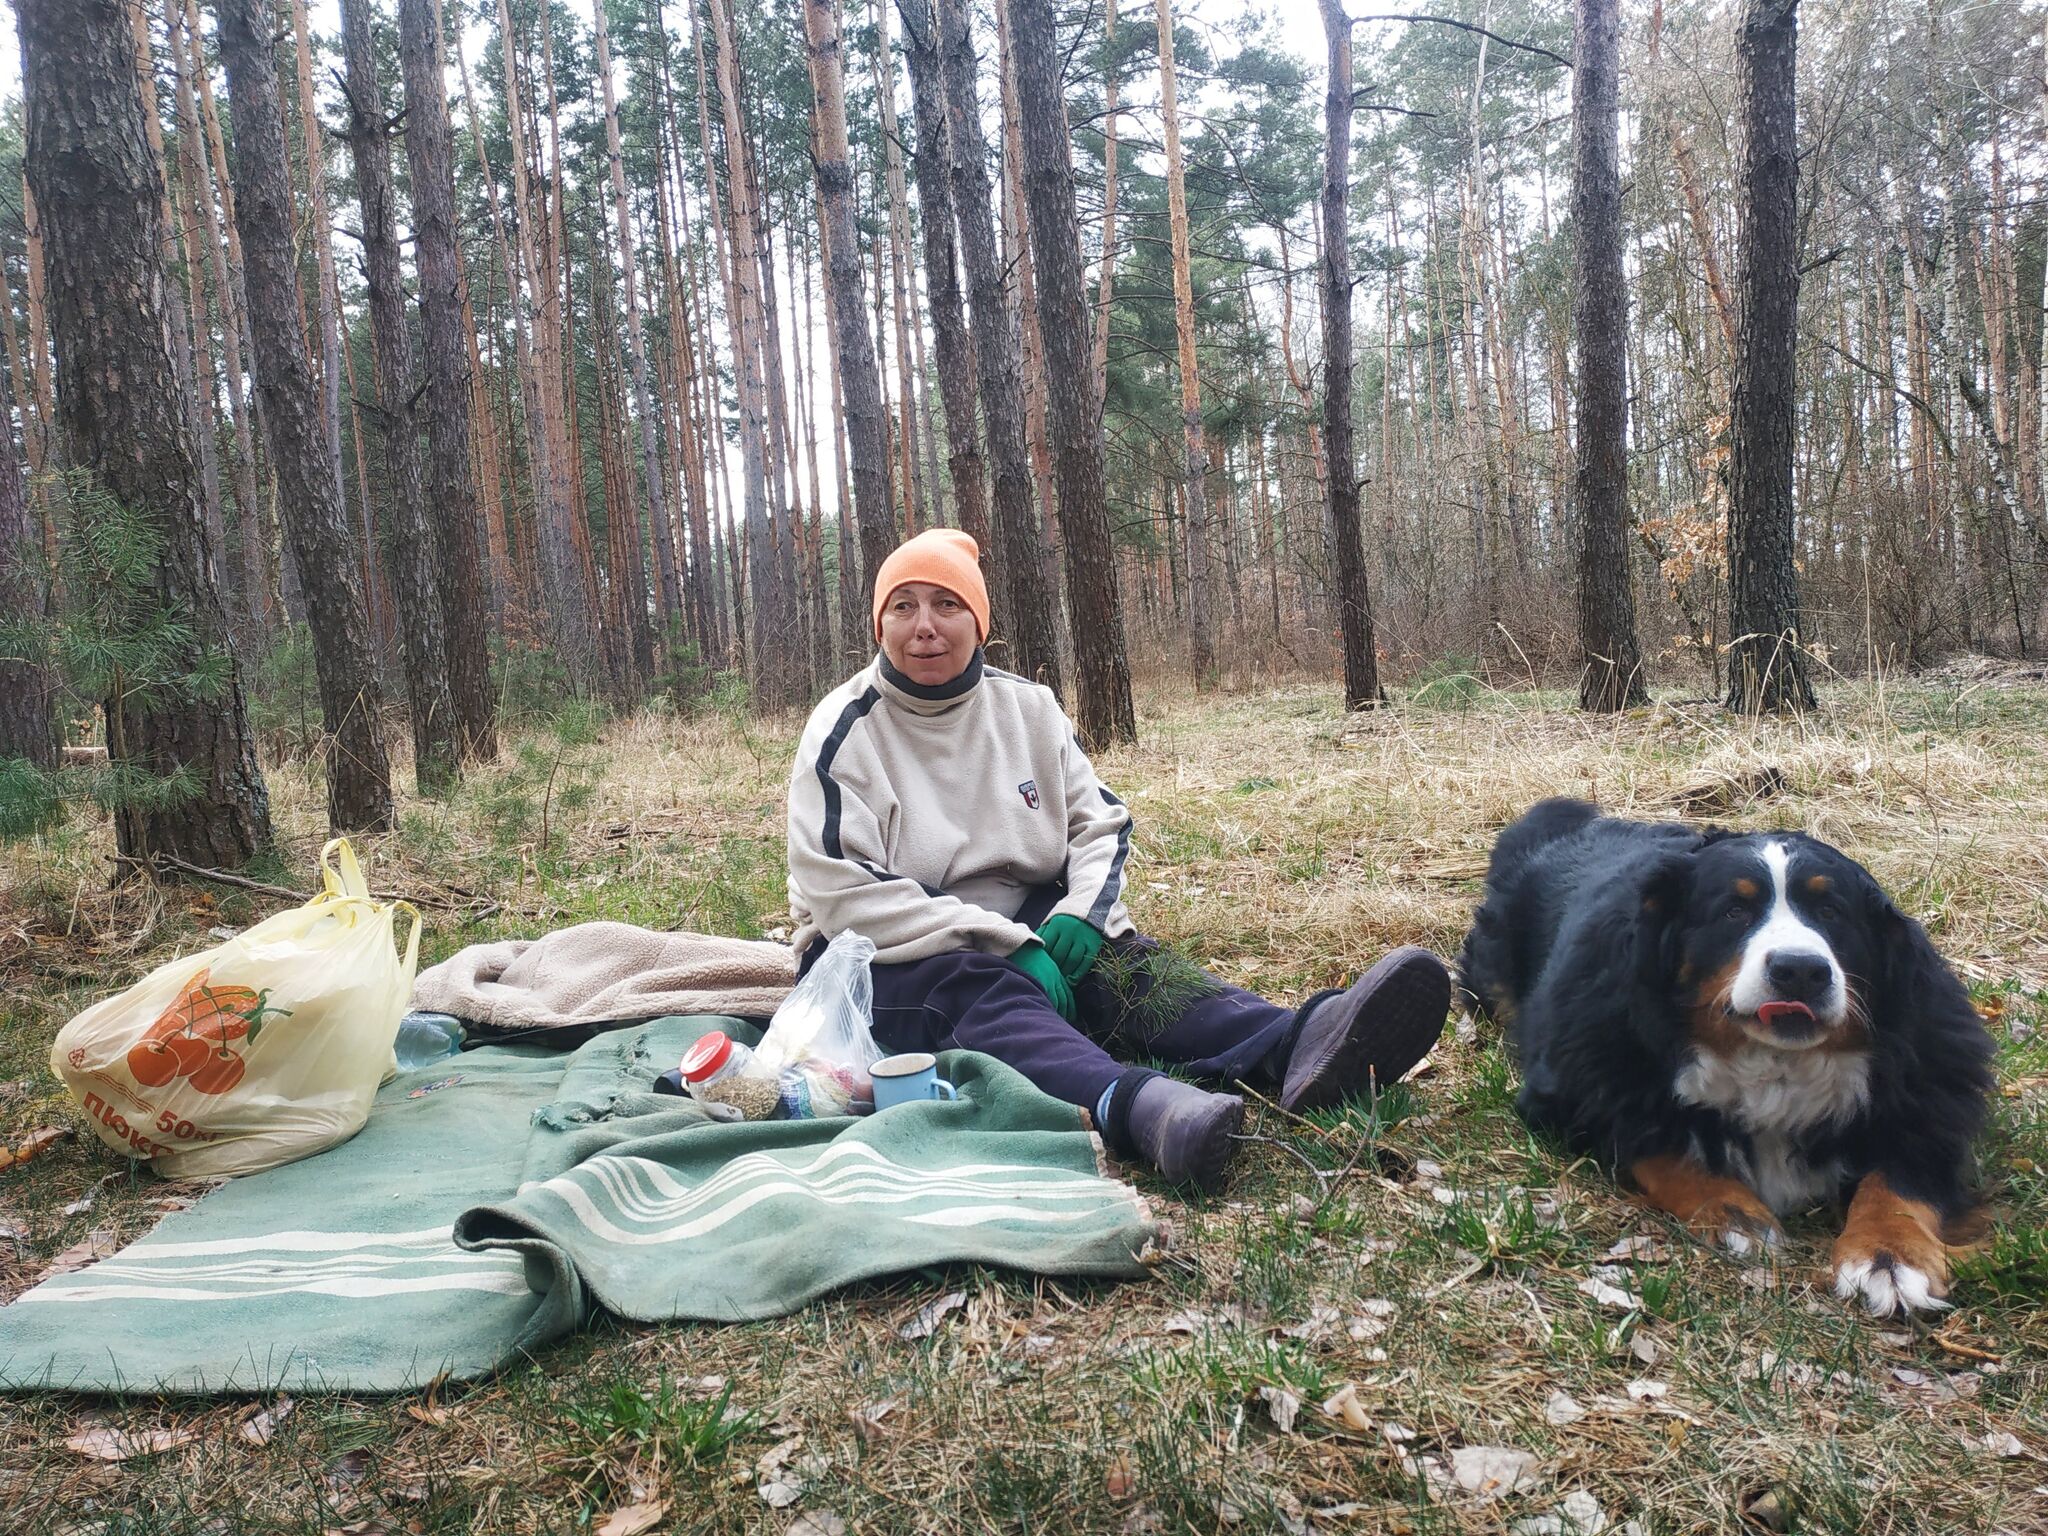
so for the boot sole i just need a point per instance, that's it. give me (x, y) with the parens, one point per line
(1207, 1176)
(1409, 993)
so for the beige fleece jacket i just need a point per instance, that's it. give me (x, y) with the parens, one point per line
(923, 817)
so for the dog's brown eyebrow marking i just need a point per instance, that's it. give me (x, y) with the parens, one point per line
(1818, 883)
(1747, 888)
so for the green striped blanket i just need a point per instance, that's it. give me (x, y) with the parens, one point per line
(499, 1199)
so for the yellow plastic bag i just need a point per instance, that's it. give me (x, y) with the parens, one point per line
(263, 1050)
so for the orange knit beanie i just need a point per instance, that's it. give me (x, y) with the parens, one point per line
(945, 557)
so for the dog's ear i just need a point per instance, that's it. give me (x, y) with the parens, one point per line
(1662, 892)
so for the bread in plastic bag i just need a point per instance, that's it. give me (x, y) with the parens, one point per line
(820, 1044)
(264, 1049)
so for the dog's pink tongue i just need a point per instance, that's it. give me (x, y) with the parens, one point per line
(1774, 1014)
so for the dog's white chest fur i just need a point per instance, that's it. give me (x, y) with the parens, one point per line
(1777, 1097)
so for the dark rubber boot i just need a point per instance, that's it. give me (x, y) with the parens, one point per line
(1371, 1034)
(1184, 1131)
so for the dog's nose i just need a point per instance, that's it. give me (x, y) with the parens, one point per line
(1799, 975)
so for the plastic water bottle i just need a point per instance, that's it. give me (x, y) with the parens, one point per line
(426, 1037)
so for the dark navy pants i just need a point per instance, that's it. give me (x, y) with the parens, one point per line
(1137, 1001)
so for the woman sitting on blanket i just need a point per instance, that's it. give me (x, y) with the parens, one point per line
(944, 809)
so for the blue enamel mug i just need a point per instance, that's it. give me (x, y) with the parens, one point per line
(908, 1079)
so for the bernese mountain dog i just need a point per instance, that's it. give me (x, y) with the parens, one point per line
(1747, 1026)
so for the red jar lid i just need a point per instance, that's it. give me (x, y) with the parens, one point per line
(706, 1056)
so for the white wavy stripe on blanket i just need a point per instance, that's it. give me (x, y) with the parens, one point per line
(354, 1268)
(624, 1184)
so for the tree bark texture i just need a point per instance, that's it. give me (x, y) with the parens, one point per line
(1034, 636)
(324, 545)
(415, 559)
(954, 347)
(27, 726)
(1766, 659)
(1201, 598)
(1611, 677)
(464, 574)
(100, 198)
(1112, 79)
(323, 238)
(1101, 663)
(636, 343)
(860, 384)
(1333, 273)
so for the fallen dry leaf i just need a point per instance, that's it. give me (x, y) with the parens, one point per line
(1643, 1347)
(632, 1519)
(1120, 1481)
(102, 1442)
(1647, 1391)
(1343, 1406)
(1282, 1407)
(1638, 1249)
(33, 1145)
(97, 1244)
(867, 1419)
(925, 1321)
(818, 1522)
(1563, 1408)
(778, 1486)
(430, 1413)
(1610, 1295)
(1488, 1472)
(262, 1424)
(1320, 1321)
(2000, 1443)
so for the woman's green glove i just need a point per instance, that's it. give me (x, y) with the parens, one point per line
(1073, 943)
(1034, 962)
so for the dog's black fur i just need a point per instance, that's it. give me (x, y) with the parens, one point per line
(1605, 946)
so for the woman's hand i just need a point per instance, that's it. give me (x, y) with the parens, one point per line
(1073, 943)
(1034, 961)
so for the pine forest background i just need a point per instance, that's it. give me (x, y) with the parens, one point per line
(669, 418)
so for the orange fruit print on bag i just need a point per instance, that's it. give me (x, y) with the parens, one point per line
(191, 1038)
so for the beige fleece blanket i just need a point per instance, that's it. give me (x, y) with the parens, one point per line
(596, 972)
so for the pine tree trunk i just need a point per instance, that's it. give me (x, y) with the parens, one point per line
(1101, 663)
(28, 728)
(466, 575)
(563, 591)
(919, 500)
(200, 212)
(1201, 598)
(1034, 639)
(1612, 676)
(1106, 288)
(950, 340)
(643, 401)
(860, 383)
(1354, 600)
(323, 241)
(769, 626)
(176, 307)
(324, 545)
(1766, 661)
(415, 560)
(99, 197)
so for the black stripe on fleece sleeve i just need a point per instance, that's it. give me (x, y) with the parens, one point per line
(1113, 883)
(853, 713)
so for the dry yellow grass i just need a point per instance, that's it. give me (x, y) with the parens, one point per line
(1285, 845)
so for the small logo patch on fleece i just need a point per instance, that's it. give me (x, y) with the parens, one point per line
(1029, 790)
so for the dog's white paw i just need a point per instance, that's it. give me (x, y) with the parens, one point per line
(1744, 1241)
(1887, 1286)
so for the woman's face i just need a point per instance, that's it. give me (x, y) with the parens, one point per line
(928, 634)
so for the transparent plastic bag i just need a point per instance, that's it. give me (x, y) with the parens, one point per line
(263, 1049)
(820, 1044)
